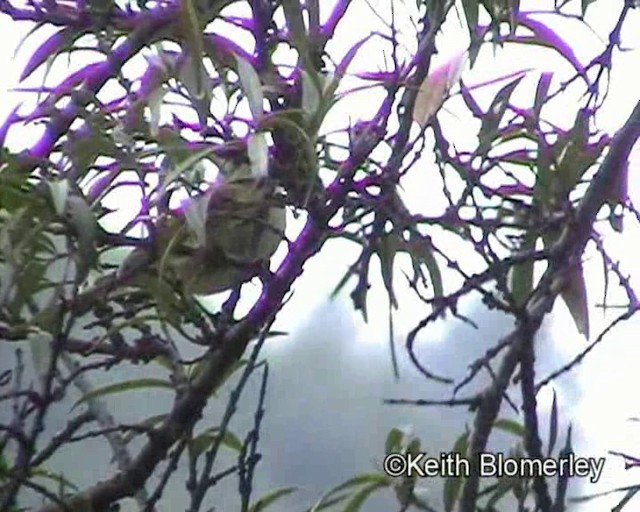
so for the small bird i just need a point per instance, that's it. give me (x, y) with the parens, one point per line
(242, 228)
(217, 242)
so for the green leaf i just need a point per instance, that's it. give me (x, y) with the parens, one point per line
(85, 226)
(58, 478)
(521, 274)
(337, 495)
(393, 443)
(311, 94)
(362, 495)
(120, 387)
(573, 155)
(387, 249)
(147, 423)
(30, 281)
(574, 295)
(510, 426)
(184, 158)
(251, 86)
(202, 442)
(542, 92)
(197, 83)
(421, 252)
(59, 191)
(453, 483)
(258, 152)
(271, 497)
(85, 146)
(493, 117)
(192, 30)
(297, 30)
(471, 12)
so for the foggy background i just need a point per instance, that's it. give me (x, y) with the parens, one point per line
(325, 421)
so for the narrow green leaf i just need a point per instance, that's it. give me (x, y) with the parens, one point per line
(59, 191)
(271, 497)
(297, 30)
(386, 250)
(344, 491)
(193, 41)
(148, 423)
(521, 274)
(119, 387)
(362, 495)
(258, 152)
(251, 86)
(202, 442)
(493, 117)
(542, 92)
(85, 227)
(453, 483)
(311, 94)
(574, 295)
(510, 426)
(58, 478)
(471, 12)
(393, 443)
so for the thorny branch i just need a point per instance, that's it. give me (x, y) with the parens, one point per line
(570, 245)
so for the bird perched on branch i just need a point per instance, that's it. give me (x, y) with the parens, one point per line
(214, 243)
(217, 241)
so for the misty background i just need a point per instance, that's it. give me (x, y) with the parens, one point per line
(324, 419)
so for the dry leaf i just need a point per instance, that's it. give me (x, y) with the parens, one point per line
(435, 88)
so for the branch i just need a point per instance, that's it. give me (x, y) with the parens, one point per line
(227, 347)
(147, 33)
(570, 245)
